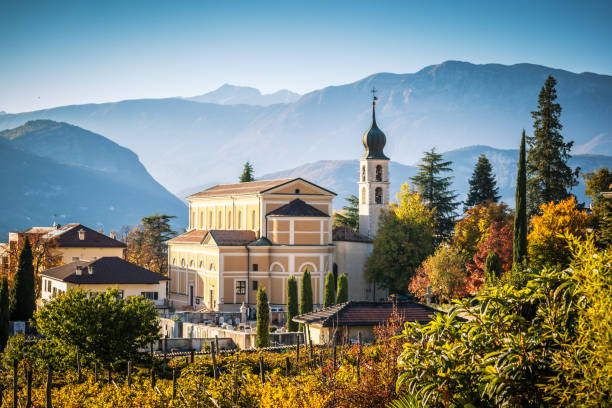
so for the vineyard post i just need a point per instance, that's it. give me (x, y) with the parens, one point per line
(165, 353)
(287, 367)
(311, 351)
(321, 362)
(359, 358)
(96, 371)
(234, 383)
(29, 390)
(214, 359)
(217, 343)
(153, 377)
(78, 363)
(297, 350)
(15, 374)
(192, 356)
(129, 373)
(335, 351)
(110, 374)
(261, 370)
(186, 360)
(174, 382)
(49, 386)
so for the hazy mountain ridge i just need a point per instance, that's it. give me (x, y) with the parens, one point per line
(341, 176)
(245, 95)
(450, 105)
(58, 172)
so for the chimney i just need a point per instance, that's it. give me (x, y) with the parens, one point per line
(79, 270)
(90, 269)
(113, 235)
(82, 234)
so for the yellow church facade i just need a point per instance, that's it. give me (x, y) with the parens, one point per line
(249, 235)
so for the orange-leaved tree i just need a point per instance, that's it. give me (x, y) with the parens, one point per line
(498, 240)
(546, 243)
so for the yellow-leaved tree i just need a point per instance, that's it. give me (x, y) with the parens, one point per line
(547, 245)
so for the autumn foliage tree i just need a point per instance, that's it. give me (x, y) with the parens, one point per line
(146, 244)
(498, 240)
(445, 271)
(547, 244)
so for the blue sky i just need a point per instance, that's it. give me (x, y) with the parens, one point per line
(72, 52)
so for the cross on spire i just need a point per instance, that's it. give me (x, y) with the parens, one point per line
(374, 98)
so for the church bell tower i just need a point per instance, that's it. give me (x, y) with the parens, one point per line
(373, 177)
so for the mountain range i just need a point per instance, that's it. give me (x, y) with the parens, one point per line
(244, 95)
(59, 172)
(451, 105)
(341, 176)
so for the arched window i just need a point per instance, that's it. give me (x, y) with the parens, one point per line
(173, 261)
(253, 219)
(239, 219)
(378, 195)
(363, 173)
(379, 173)
(183, 262)
(363, 195)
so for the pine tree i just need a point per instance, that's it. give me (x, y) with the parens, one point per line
(4, 312)
(329, 291)
(342, 295)
(247, 173)
(483, 186)
(435, 191)
(519, 244)
(292, 304)
(350, 215)
(263, 319)
(23, 299)
(549, 176)
(492, 267)
(598, 182)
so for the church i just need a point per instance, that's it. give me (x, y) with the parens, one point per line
(245, 236)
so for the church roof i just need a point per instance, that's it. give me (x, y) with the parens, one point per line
(190, 237)
(297, 208)
(232, 237)
(252, 187)
(374, 140)
(347, 234)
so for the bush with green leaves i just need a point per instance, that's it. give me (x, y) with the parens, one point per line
(105, 326)
(543, 344)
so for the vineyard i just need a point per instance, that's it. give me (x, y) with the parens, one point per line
(341, 376)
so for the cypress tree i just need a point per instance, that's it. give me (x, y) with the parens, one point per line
(492, 267)
(342, 295)
(4, 312)
(292, 304)
(247, 173)
(263, 319)
(329, 291)
(23, 299)
(550, 177)
(306, 301)
(483, 186)
(519, 243)
(436, 192)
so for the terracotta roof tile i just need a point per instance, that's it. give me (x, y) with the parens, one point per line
(233, 237)
(106, 270)
(366, 314)
(298, 208)
(252, 187)
(194, 236)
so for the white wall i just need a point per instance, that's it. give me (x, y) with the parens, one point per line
(351, 258)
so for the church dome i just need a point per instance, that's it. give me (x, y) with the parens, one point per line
(374, 141)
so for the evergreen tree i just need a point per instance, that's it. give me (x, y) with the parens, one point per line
(492, 267)
(4, 312)
(350, 215)
(597, 182)
(549, 176)
(329, 291)
(23, 299)
(263, 319)
(342, 295)
(435, 191)
(292, 304)
(247, 173)
(519, 244)
(306, 300)
(483, 186)
(146, 245)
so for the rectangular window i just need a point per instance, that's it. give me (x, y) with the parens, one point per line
(255, 267)
(240, 287)
(254, 285)
(150, 295)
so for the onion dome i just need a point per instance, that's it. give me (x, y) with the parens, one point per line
(374, 139)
